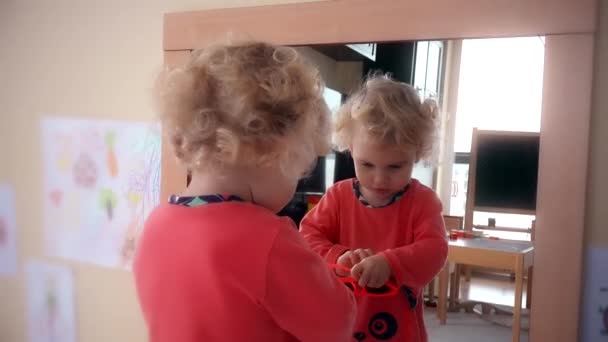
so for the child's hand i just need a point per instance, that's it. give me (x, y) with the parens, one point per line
(373, 271)
(351, 258)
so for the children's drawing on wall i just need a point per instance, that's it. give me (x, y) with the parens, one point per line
(8, 231)
(50, 303)
(101, 179)
(595, 309)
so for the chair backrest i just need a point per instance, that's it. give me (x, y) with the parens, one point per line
(453, 222)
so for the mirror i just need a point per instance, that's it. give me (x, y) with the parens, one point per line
(570, 29)
(489, 84)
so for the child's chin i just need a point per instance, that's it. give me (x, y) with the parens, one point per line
(384, 195)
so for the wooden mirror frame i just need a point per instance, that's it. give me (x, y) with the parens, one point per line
(569, 27)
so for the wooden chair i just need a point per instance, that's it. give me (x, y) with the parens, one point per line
(453, 222)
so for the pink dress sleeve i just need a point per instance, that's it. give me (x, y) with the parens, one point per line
(320, 227)
(304, 296)
(416, 264)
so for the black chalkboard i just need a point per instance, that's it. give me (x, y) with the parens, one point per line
(507, 170)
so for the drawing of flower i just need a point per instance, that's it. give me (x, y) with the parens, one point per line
(85, 171)
(107, 200)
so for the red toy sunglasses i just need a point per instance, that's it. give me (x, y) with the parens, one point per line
(386, 290)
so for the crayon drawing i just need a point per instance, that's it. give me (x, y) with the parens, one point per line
(101, 179)
(50, 303)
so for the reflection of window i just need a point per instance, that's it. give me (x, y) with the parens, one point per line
(500, 88)
(334, 100)
(427, 70)
(458, 198)
(322, 176)
(427, 80)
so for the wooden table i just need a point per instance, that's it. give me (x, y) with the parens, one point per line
(515, 256)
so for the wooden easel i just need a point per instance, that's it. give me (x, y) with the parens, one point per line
(471, 207)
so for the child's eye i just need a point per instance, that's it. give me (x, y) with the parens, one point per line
(395, 167)
(368, 165)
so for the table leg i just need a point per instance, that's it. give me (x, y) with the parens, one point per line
(453, 288)
(468, 271)
(443, 293)
(529, 288)
(458, 274)
(431, 293)
(519, 287)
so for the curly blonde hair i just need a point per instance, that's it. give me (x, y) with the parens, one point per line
(248, 103)
(392, 113)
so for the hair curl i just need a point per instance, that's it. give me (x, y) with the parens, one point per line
(391, 112)
(248, 103)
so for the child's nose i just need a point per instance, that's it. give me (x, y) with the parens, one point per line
(380, 179)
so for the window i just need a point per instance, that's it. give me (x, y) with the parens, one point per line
(500, 88)
(334, 100)
(428, 68)
(427, 80)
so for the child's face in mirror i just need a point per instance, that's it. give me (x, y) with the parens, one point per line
(382, 169)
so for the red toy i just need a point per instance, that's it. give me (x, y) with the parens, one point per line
(388, 289)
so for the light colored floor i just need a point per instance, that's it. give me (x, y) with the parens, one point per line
(491, 288)
(498, 289)
(463, 327)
